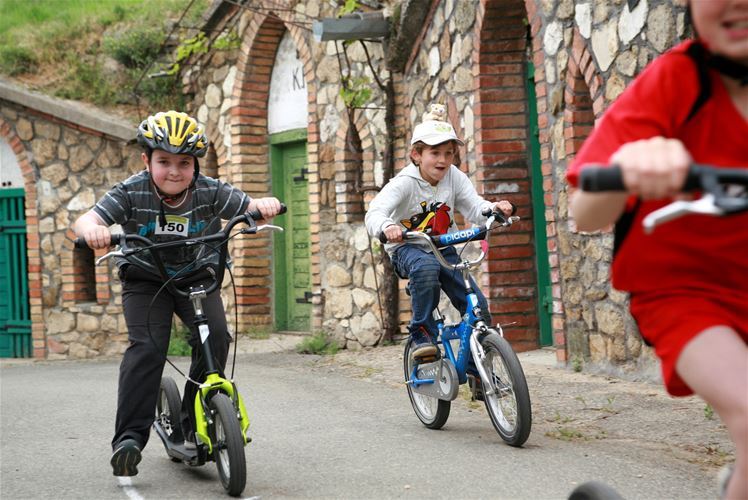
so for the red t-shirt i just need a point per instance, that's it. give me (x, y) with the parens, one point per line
(695, 251)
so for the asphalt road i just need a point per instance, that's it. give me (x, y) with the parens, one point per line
(318, 433)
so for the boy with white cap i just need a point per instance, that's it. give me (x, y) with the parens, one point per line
(422, 198)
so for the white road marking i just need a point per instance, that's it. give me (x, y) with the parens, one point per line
(129, 489)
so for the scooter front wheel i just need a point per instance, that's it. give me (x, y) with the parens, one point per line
(228, 444)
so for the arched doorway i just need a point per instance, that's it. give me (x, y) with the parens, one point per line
(287, 129)
(15, 322)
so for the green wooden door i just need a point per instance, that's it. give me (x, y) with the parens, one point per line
(545, 296)
(291, 249)
(15, 323)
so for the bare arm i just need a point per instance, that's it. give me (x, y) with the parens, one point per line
(594, 211)
(92, 229)
(652, 169)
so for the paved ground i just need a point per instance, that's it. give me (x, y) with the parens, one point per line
(582, 406)
(341, 427)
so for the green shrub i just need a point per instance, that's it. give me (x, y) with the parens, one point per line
(135, 48)
(178, 342)
(86, 82)
(16, 60)
(319, 343)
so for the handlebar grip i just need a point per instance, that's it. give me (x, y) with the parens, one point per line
(256, 215)
(383, 238)
(596, 178)
(116, 239)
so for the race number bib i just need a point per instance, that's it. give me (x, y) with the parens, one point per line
(175, 225)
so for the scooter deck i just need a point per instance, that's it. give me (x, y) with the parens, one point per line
(176, 450)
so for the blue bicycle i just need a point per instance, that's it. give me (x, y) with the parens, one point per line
(433, 384)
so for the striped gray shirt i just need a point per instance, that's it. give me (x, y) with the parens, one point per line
(135, 205)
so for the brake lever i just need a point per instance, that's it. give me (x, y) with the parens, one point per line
(703, 206)
(113, 253)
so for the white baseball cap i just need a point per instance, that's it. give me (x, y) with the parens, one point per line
(433, 132)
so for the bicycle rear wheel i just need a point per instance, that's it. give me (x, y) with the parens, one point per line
(509, 407)
(168, 410)
(228, 444)
(432, 412)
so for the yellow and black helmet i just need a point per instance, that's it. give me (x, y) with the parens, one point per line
(173, 132)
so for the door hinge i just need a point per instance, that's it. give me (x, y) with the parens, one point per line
(306, 300)
(548, 300)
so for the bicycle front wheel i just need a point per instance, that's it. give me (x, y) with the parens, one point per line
(509, 406)
(432, 412)
(228, 444)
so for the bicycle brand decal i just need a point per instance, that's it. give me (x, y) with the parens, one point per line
(458, 236)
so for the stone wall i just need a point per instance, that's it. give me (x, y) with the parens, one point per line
(67, 166)
(473, 57)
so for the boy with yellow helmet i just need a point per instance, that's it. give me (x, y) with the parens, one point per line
(168, 200)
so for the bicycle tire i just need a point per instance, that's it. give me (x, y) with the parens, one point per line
(228, 444)
(432, 412)
(168, 410)
(594, 490)
(510, 410)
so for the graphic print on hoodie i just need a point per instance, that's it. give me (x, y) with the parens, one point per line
(433, 219)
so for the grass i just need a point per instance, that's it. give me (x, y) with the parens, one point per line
(178, 342)
(319, 343)
(63, 47)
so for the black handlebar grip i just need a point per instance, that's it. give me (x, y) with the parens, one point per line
(595, 178)
(383, 238)
(80, 243)
(256, 215)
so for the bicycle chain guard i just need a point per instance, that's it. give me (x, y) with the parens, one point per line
(445, 383)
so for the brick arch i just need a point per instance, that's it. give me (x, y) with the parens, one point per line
(502, 151)
(583, 96)
(33, 251)
(583, 75)
(250, 160)
(354, 161)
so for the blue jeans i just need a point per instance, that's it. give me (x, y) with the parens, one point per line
(426, 278)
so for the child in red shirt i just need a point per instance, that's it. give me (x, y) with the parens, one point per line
(689, 279)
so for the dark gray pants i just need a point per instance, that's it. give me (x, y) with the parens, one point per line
(143, 362)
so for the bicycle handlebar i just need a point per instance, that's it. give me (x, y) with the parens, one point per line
(454, 238)
(174, 284)
(710, 179)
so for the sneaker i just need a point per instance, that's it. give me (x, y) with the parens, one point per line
(476, 387)
(423, 347)
(126, 458)
(189, 445)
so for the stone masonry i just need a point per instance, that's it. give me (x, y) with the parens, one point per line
(471, 56)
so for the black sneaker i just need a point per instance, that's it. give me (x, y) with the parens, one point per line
(126, 458)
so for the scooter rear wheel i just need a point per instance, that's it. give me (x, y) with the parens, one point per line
(168, 410)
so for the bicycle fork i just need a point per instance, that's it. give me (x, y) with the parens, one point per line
(213, 381)
(479, 356)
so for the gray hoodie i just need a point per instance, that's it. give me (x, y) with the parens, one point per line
(410, 202)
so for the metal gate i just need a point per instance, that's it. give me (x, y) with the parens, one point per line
(15, 323)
